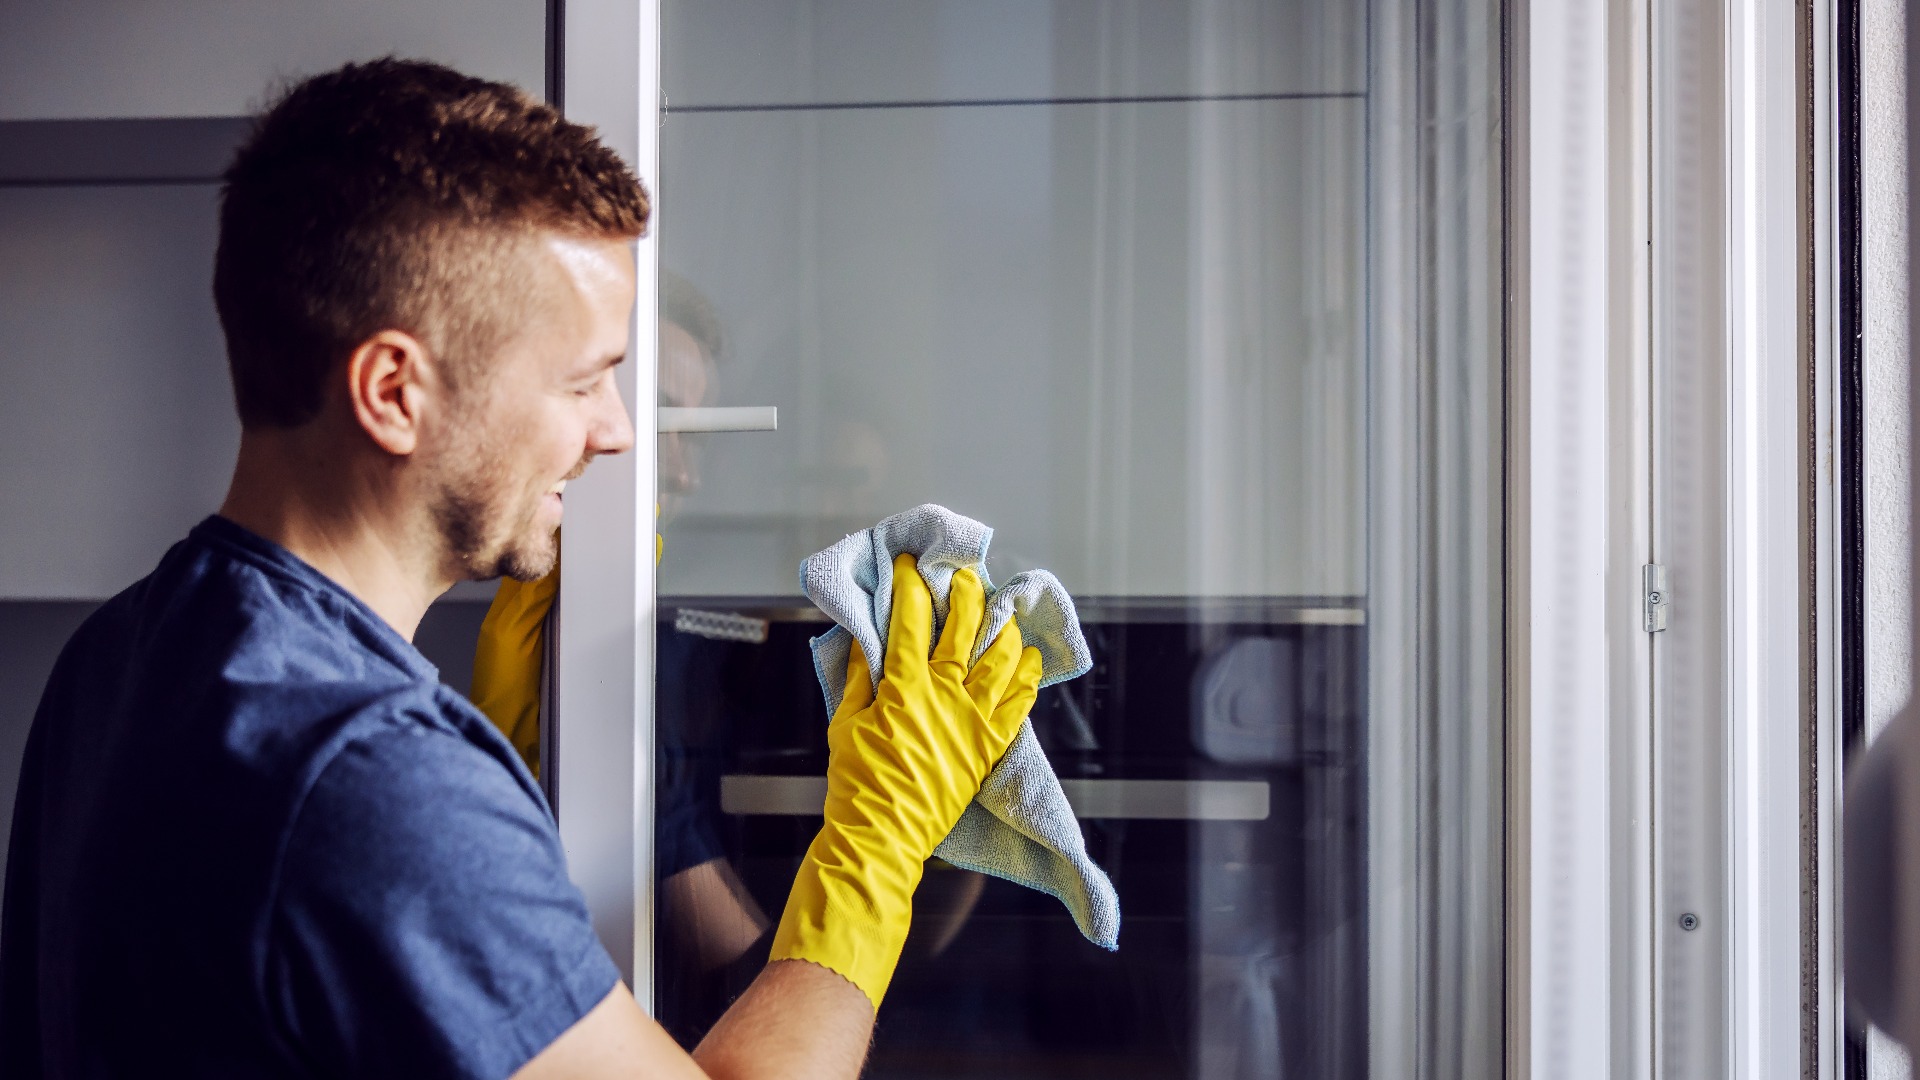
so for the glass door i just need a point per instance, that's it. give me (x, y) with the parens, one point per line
(1197, 305)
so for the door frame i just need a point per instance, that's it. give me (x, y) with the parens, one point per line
(602, 759)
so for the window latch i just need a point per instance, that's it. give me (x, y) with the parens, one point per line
(1654, 597)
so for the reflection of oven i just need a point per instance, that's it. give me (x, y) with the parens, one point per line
(1216, 757)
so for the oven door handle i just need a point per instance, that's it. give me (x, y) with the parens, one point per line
(678, 419)
(1135, 800)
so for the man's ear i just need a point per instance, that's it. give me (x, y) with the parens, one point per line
(386, 384)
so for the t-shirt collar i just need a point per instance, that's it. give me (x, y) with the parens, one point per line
(238, 540)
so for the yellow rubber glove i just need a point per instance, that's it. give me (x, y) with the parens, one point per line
(507, 661)
(508, 658)
(903, 763)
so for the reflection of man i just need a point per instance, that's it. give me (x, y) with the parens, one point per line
(690, 344)
(703, 902)
(254, 834)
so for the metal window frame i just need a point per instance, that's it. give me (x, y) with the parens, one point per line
(1438, 412)
(1768, 187)
(1842, 52)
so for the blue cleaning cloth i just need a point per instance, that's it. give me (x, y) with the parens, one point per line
(1020, 826)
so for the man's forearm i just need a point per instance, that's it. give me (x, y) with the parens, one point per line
(798, 1021)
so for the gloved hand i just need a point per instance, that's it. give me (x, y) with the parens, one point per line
(903, 763)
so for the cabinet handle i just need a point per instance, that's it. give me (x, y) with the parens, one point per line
(719, 418)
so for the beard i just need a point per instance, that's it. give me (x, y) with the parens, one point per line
(489, 525)
(483, 548)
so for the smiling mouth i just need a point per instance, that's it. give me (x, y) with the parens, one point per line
(556, 489)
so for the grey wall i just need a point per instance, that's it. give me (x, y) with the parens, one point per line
(117, 429)
(447, 635)
(94, 58)
(31, 636)
(1888, 498)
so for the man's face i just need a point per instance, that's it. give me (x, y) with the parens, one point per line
(543, 408)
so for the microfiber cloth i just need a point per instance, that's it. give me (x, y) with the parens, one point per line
(1019, 827)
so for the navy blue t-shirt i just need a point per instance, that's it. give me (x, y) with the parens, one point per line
(256, 836)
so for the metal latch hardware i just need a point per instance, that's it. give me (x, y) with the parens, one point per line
(1653, 594)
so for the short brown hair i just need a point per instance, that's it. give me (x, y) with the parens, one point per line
(380, 196)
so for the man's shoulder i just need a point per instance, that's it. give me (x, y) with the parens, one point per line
(418, 796)
(398, 762)
(229, 674)
(423, 755)
(425, 731)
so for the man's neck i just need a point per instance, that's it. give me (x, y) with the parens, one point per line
(325, 516)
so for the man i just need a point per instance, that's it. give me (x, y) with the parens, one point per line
(255, 836)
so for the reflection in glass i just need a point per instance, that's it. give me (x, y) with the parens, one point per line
(1205, 322)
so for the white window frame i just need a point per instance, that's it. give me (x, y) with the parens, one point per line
(602, 752)
(1613, 153)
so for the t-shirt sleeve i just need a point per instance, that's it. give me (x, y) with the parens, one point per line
(424, 924)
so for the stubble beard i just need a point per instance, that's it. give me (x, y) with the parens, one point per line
(487, 530)
(483, 547)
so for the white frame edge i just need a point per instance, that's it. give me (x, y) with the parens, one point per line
(603, 752)
(1565, 270)
(1765, 529)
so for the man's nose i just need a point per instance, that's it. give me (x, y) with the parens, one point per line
(612, 432)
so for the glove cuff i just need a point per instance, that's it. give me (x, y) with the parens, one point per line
(849, 918)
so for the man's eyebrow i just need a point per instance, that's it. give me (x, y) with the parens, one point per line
(603, 364)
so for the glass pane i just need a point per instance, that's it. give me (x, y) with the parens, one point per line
(1200, 320)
